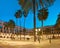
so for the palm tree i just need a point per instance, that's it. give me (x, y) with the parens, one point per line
(57, 25)
(42, 15)
(10, 25)
(34, 4)
(58, 21)
(18, 15)
(24, 30)
(7, 27)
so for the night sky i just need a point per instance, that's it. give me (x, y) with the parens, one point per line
(9, 7)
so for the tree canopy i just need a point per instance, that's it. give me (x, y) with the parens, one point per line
(10, 24)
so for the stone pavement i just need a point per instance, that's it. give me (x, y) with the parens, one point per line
(28, 44)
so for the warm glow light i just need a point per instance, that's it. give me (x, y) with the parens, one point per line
(36, 30)
(39, 29)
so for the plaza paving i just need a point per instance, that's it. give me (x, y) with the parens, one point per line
(29, 44)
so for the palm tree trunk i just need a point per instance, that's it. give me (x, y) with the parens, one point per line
(42, 29)
(17, 27)
(34, 20)
(9, 30)
(3, 29)
(6, 30)
(53, 32)
(20, 29)
(58, 34)
(24, 28)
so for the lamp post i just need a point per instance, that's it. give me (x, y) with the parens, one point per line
(39, 35)
(50, 36)
(36, 30)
